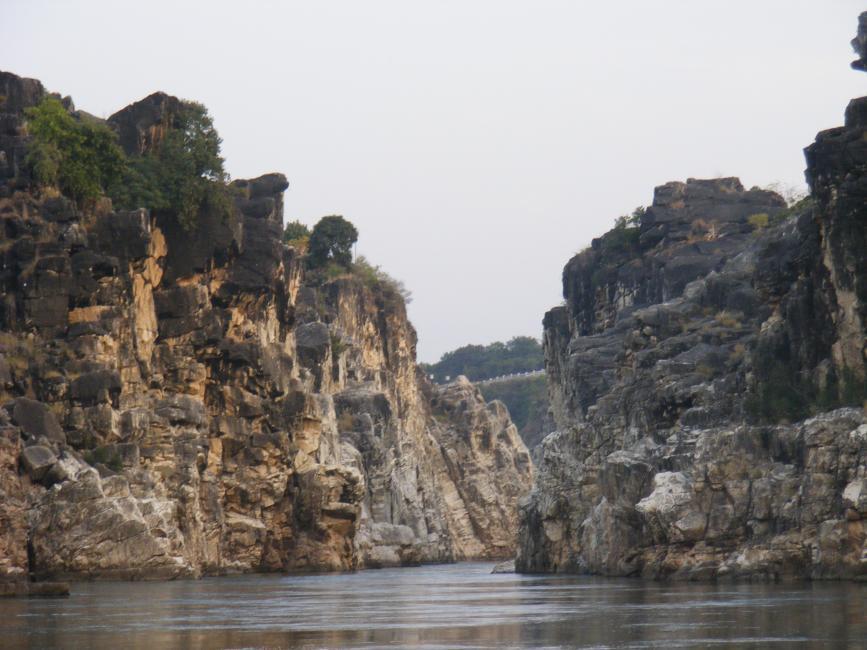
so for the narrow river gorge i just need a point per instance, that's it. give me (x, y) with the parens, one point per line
(215, 430)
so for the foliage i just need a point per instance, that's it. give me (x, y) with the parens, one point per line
(296, 233)
(631, 220)
(375, 277)
(520, 354)
(798, 207)
(183, 173)
(624, 237)
(80, 157)
(331, 242)
(331, 271)
(758, 221)
(338, 347)
(791, 194)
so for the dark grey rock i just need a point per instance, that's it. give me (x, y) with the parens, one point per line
(37, 420)
(140, 125)
(37, 460)
(5, 372)
(97, 386)
(181, 409)
(859, 44)
(313, 341)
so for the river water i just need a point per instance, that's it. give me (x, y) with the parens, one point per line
(446, 606)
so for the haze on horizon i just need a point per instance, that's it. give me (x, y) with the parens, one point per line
(476, 145)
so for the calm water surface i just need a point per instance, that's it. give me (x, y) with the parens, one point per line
(450, 606)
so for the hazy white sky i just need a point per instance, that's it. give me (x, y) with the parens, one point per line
(476, 144)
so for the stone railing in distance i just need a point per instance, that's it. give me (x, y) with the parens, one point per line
(494, 380)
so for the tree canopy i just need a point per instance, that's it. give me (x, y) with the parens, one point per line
(183, 173)
(331, 242)
(520, 354)
(295, 231)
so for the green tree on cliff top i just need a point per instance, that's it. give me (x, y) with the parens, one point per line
(331, 242)
(183, 173)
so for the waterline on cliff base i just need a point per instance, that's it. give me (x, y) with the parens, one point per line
(443, 606)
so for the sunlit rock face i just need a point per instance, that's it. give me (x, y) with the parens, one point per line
(178, 403)
(698, 375)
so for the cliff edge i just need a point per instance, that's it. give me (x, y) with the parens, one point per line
(707, 381)
(183, 401)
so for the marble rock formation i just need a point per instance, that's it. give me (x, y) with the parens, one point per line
(178, 403)
(707, 381)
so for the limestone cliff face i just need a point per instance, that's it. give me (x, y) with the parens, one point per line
(696, 376)
(184, 403)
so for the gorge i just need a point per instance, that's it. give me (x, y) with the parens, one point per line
(186, 395)
(195, 401)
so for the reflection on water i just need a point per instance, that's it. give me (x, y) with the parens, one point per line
(450, 606)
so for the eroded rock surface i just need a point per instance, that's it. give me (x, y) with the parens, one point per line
(698, 378)
(178, 403)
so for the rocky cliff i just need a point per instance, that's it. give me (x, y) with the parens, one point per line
(184, 402)
(707, 381)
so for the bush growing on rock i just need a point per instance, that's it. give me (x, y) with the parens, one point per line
(632, 220)
(374, 276)
(625, 235)
(80, 157)
(296, 234)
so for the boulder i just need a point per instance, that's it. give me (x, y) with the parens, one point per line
(181, 409)
(313, 341)
(125, 235)
(142, 125)
(37, 461)
(267, 185)
(96, 387)
(37, 420)
(507, 566)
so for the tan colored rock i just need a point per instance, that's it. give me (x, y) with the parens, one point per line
(217, 410)
(13, 509)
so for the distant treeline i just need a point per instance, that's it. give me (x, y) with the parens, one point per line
(477, 362)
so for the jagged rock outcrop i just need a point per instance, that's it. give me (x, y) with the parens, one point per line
(697, 374)
(859, 43)
(179, 403)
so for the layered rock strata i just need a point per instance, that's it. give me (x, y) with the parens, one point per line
(179, 403)
(699, 377)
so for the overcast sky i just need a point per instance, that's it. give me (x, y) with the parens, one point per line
(476, 145)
